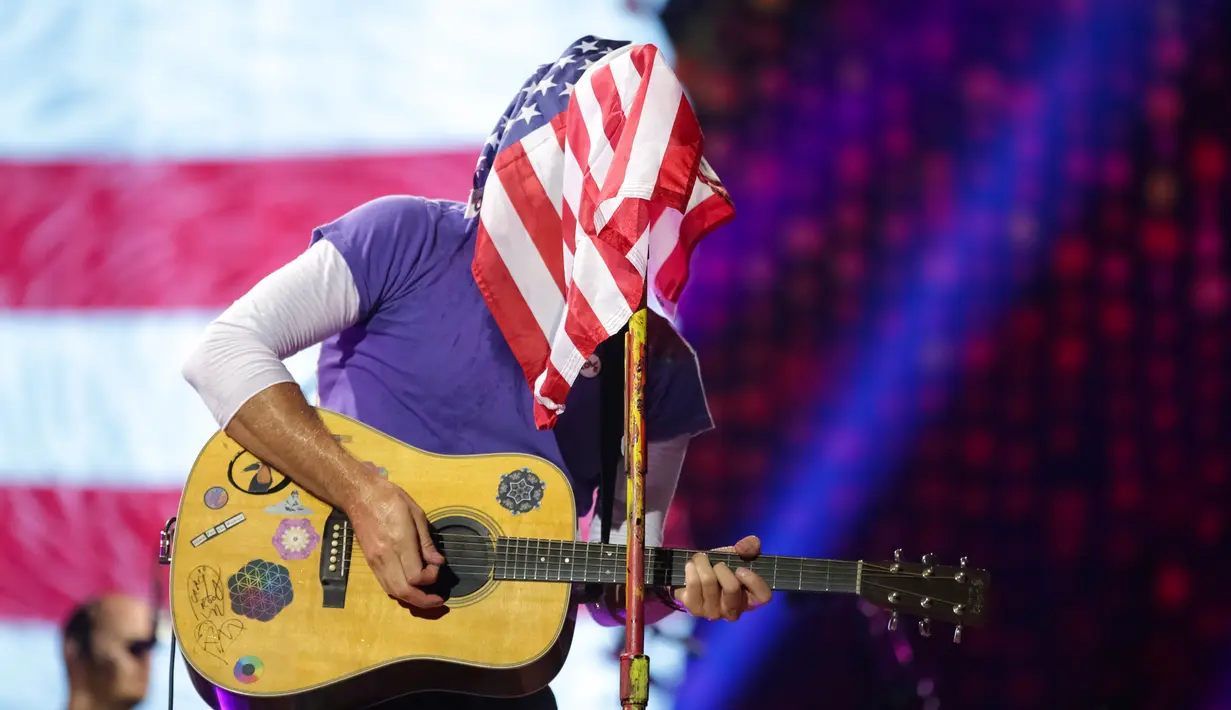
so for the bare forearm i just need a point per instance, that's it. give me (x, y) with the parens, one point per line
(279, 427)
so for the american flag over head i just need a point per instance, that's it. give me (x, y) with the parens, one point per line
(592, 181)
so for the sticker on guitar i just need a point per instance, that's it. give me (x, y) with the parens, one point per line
(260, 589)
(520, 491)
(216, 497)
(295, 539)
(290, 506)
(249, 669)
(248, 474)
(218, 529)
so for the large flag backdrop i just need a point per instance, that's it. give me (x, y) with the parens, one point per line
(155, 162)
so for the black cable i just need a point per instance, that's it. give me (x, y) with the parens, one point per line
(164, 558)
(171, 673)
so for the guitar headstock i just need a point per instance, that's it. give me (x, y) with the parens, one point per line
(955, 595)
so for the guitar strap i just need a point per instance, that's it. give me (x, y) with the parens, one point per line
(610, 423)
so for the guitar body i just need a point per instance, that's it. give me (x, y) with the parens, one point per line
(274, 606)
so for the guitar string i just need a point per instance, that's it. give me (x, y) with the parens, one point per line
(815, 571)
(512, 571)
(515, 555)
(464, 561)
(555, 555)
(868, 581)
(612, 566)
(604, 565)
(557, 547)
(522, 567)
(523, 558)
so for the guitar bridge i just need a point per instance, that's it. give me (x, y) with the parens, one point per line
(335, 559)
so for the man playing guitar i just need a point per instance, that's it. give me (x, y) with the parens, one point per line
(409, 347)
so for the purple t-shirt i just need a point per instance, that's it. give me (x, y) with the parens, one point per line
(427, 364)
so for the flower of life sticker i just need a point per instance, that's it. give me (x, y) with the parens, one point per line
(260, 589)
(520, 491)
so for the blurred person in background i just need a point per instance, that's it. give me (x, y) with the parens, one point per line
(107, 643)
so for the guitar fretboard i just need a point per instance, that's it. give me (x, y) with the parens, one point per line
(559, 561)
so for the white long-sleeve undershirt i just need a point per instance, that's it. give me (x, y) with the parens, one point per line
(241, 352)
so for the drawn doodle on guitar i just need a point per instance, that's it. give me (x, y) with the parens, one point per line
(214, 639)
(205, 593)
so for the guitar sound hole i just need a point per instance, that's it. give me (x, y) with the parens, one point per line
(469, 553)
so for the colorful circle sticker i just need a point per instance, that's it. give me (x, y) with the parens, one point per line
(216, 497)
(249, 669)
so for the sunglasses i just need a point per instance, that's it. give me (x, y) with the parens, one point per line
(141, 647)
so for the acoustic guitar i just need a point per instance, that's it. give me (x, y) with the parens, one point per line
(274, 606)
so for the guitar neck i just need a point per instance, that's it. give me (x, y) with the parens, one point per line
(532, 559)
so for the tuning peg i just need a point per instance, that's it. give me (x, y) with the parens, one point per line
(957, 634)
(925, 628)
(962, 562)
(893, 621)
(929, 558)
